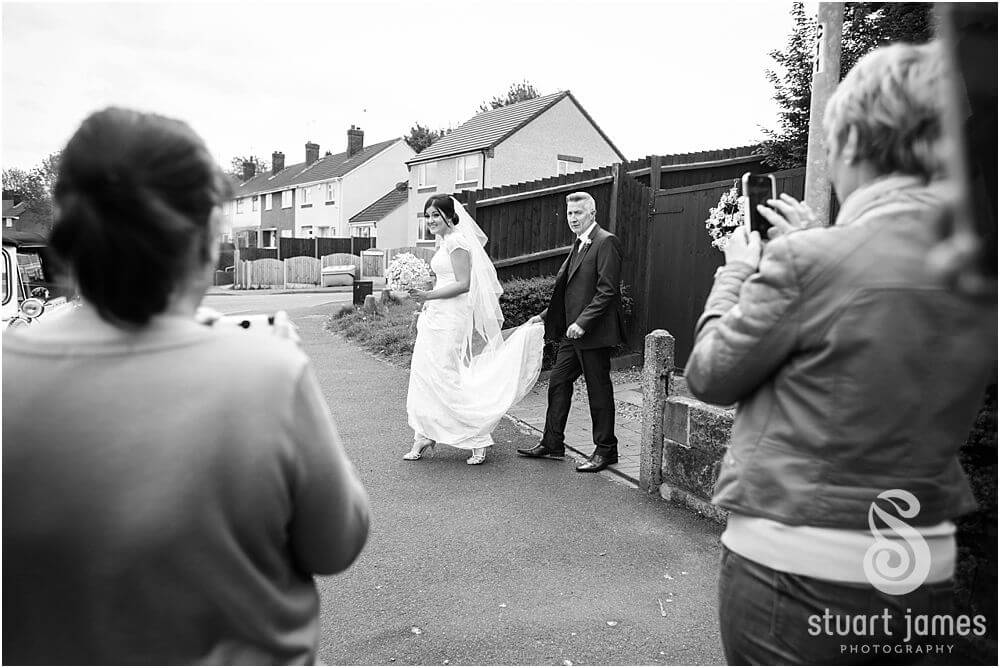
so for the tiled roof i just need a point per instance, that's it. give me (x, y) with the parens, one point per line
(327, 167)
(384, 205)
(11, 210)
(489, 128)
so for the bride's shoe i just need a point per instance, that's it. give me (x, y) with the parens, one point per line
(417, 452)
(478, 456)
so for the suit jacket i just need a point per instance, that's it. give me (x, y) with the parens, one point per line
(586, 292)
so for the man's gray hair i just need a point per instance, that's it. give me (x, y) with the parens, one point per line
(588, 201)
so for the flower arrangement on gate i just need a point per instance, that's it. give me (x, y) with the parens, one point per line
(725, 217)
(407, 271)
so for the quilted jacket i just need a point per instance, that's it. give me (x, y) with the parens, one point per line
(855, 369)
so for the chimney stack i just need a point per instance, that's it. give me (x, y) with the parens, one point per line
(312, 152)
(249, 170)
(355, 141)
(277, 162)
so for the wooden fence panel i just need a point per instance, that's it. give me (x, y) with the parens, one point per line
(302, 270)
(372, 263)
(634, 216)
(519, 228)
(253, 253)
(296, 247)
(331, 245)
(265, 273)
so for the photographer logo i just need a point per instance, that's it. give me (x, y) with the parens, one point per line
(899, 560)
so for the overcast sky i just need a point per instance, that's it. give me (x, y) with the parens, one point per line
(658, 77)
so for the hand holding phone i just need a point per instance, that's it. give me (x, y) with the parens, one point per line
(758, 189)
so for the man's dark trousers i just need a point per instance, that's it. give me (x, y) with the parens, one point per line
(595, 365)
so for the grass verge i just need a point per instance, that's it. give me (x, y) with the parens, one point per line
(388, 333)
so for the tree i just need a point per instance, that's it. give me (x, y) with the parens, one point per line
(236, 166)
(421, 137)
(34, 188)
(867, 25)
(518, 92)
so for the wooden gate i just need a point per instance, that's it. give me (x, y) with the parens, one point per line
(681, 261)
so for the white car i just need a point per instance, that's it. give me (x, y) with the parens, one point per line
(29, 290)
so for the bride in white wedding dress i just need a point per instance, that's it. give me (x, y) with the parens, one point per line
(465, 373)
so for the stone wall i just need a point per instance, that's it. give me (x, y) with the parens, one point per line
(683, 439)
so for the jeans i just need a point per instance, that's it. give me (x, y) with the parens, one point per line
(770, 617)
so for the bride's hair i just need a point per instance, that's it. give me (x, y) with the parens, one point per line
(445, 205)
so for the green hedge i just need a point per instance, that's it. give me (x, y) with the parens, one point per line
(525, 297)
(976, 570)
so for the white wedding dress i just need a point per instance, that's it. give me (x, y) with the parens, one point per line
(454, 400)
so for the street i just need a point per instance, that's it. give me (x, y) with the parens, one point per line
(247, 302)
(512, 562)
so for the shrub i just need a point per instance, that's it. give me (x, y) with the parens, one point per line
(523, 298)
(976, 570)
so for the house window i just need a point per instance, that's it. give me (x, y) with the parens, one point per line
(286, 199)
(9, 222)
(307, 230)
(268, 239)
(427, 175)
(331, 191)
(268, 201)
(567, 164)
(305, 197)
(363, 231)
(423, 234)
(239, 205)
(467, 170)
(254, 203)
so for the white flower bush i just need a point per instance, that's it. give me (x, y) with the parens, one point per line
(725, 217)
(407, 271)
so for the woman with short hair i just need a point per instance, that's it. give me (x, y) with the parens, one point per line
(857, 375)
(169, 489)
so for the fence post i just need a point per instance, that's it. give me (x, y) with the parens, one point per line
(657, 370)
(470, 204)
(654, 172)
(616, 172)
(236, 267)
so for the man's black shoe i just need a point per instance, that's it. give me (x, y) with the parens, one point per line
(540, 451)
(597, 463)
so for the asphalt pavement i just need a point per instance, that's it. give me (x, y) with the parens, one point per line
(513, 562)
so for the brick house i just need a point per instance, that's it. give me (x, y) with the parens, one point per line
(315, 197)
(534, 139)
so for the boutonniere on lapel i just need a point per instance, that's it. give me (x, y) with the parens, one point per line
(585, 244)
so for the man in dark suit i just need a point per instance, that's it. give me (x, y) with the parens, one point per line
(585, 316)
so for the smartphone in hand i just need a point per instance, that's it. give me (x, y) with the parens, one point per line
(757, 189)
